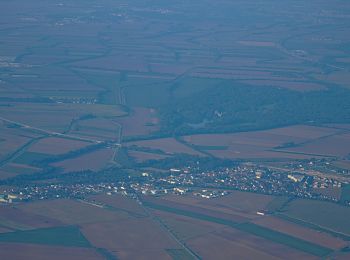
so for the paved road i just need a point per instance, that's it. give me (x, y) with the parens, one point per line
(51, 133)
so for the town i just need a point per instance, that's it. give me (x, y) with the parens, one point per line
(297, 181)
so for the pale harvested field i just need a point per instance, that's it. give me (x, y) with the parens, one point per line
(267, 138)
(259, 144)
(42, 252)
(55, 117)
(116, 63)
(303, 131)
(98, 128)
(341, 126)
(292, 85)
(255, 153)
(345, 256)
(143, 156)
(8, 90)
(143, 255)
(4, 230)
(5, 174)
(17, 219)
(169, 68)
(71, 212)
(236, 73)
(339, 77)
(13, 169)
(142, 121)
(186, 227)
(140, 235)
(243, 201)
(301, 232)
(167, 145)
(328, 215)
(257, 43)
(91, 161)
(338, 145)
(231, 244)
(54, 145)
(119, 202)
(244, 204)
(234, 216)
(10, 140)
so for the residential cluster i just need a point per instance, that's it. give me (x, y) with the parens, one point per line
(205, 184)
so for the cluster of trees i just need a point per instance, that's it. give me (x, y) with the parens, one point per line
(55, 176)
(233, 108)
(70, 155)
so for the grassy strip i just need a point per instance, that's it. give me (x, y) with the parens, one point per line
(253, 229)
(191, 214)
(285, 239)
(63, 236)
(312, 226)
(179, 254)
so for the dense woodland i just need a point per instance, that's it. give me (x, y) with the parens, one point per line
(232, 107)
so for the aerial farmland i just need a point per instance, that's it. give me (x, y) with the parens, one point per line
(174, 129)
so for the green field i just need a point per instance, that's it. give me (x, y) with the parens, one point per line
(63, 236)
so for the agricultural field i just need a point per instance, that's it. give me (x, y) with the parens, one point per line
(15, 219)
(64, 236)
(273, 241)
(92, 161)
(323, 214)
(14, 169)
(304, 233)
(139, 237)
(119, 203)
(224, 244)
(99, 97)
(105, 226)
(72, 212)
(53, 145)
(25, 251)
(116, 226)
(276, 143)
(165, 146)
(139, 156)
(241, 203)
(336, 146)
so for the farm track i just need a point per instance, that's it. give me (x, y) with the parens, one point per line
(50, 133)
(20, 151)
(158, 221)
